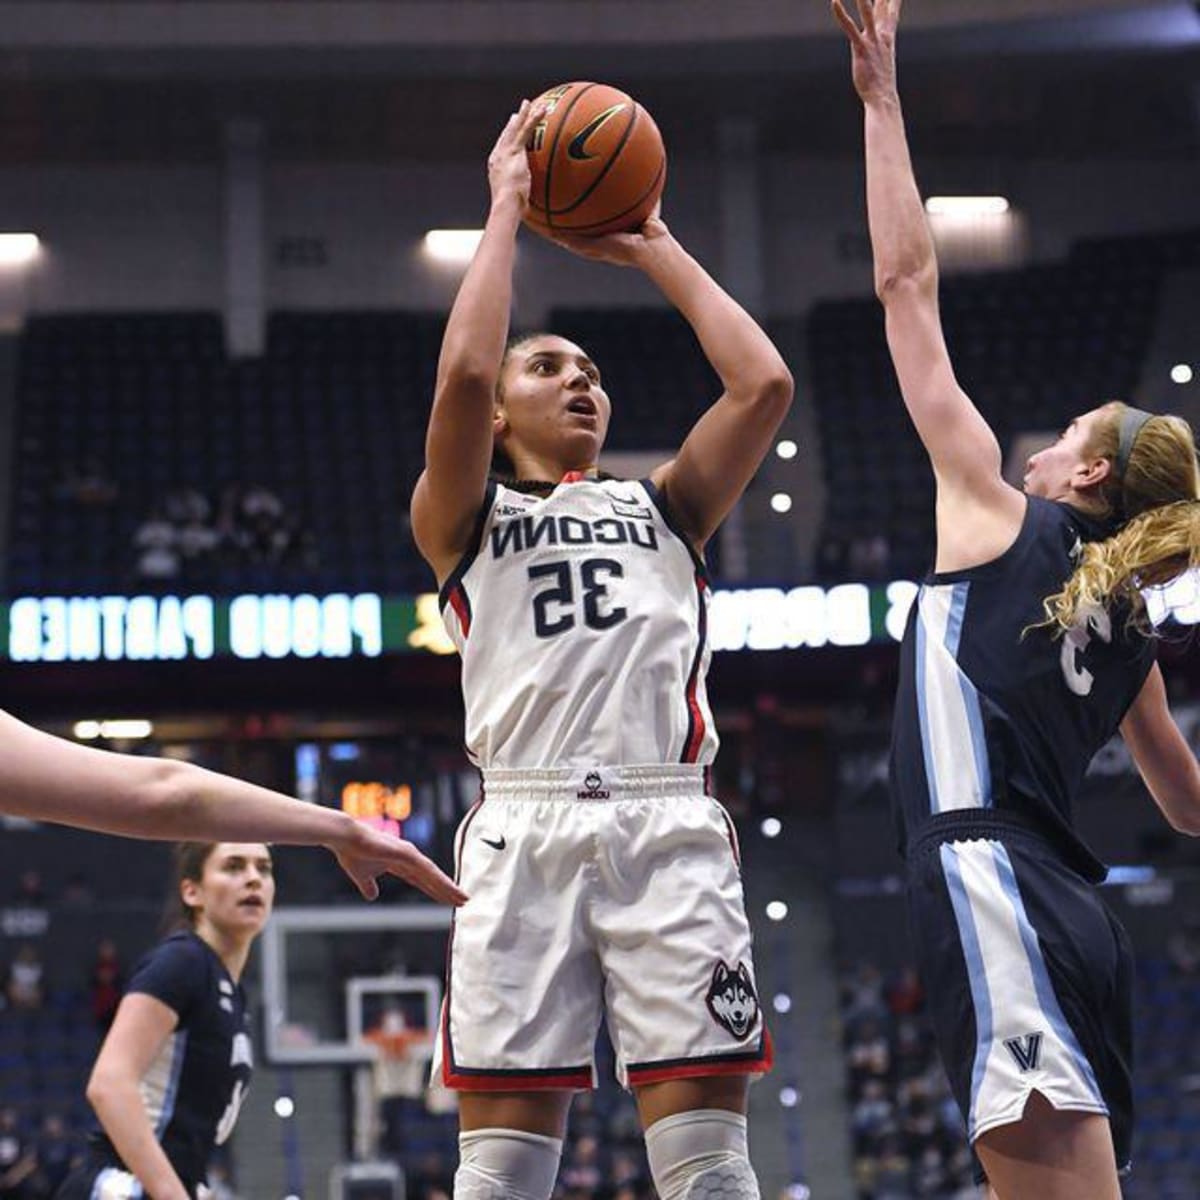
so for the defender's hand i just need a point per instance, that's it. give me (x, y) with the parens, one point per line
(369, 853)
(873, 47)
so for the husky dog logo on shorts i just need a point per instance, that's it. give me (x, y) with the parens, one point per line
(593, 788)
(732, 1000)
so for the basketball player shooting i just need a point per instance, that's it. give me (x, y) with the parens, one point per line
(603, 877)
(1025, 651)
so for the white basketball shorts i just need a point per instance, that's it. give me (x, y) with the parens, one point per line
(614, 891)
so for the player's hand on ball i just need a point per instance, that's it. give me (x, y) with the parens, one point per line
(619, 249)
(371, 853)
(508, 164)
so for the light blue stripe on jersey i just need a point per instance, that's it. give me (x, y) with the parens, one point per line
(178, 1053)
(981, 998)
(952, 738)
(1047, 998)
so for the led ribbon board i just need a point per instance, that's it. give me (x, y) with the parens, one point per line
(367, 625)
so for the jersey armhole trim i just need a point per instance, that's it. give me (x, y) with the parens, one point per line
(1029, 524)
(664, 511)
(472, 551)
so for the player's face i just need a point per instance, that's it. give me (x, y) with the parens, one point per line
(237, 891)
(1065, 467)
(553, 404)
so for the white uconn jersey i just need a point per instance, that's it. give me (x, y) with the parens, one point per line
(581, 620)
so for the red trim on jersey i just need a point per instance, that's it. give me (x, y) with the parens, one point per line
(696, 726)
(516, 1081)
(462, 608)
(574, 477)
(701, 1067)
(447, 1051)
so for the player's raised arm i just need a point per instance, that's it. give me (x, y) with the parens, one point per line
(728, 443)
(458, 444)
(50, 779)
(963, 449)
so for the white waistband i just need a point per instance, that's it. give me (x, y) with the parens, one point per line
(592, 783)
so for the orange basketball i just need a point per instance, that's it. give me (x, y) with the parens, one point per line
(597, 161)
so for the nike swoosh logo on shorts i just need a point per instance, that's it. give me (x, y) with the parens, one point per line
(578, 147)
(498, 844)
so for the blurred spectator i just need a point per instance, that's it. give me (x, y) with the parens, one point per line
(16, 1156)
(254, 525)
(55, 1155)
(918, 1121)
(627, 1172)
(872, 1116)
(862, 994)
(869, 1054)
(831, 563)
(156, 542)
(30, 892)
(23, 987)
(87, 483)
(197, 543)
(929, 1174)
(907, 1132)
(892, 1176)
(106, 984)
(1183, 950)
(77, 892)
(905, 994)
(582, 1171)
(185, 506)
(869, 557)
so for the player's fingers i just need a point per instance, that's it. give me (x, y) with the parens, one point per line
(425, 874)
(866, 10)
(531, 116)
(506, 134)
(846, 21)
(894, 7)
(368, 887)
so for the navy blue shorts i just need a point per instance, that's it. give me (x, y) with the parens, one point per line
(1028, 978)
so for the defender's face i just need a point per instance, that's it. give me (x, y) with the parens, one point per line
(553, 404)
(237, 891)
(1064, 467)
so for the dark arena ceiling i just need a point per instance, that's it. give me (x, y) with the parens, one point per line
(156, 81)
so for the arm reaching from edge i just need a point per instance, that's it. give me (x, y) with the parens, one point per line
(1163, 757)
(49, 779)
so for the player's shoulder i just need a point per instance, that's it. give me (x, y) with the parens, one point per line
(181, 953)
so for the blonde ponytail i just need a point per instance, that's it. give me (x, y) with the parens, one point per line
(1148, 551)
(1158, 497)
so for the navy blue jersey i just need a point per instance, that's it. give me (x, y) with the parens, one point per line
(194, 1088)
(994, 712)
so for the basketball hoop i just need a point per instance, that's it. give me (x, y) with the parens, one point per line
(400, 1063)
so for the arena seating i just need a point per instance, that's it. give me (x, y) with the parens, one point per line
(891, 1143)
(331, 419)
